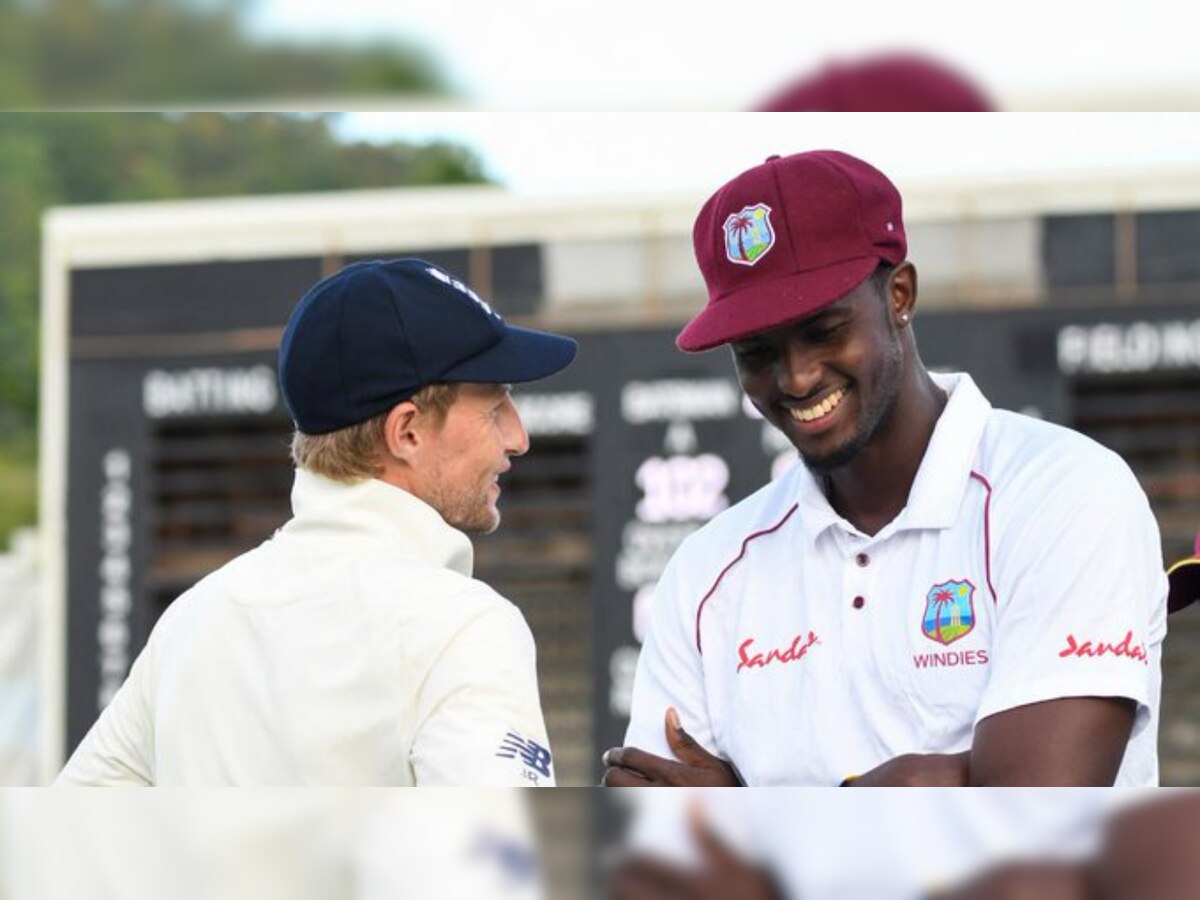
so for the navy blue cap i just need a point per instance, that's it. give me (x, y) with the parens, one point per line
(375, 333)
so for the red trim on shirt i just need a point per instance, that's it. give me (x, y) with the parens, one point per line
(736, 560)
(987, 532)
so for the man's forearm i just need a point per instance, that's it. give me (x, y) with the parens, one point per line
(917, 770)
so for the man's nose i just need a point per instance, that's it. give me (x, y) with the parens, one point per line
(517, 438)
(798, 370)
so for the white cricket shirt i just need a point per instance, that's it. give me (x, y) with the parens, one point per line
(1025, 567)
(352, 648)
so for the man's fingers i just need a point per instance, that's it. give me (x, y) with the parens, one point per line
(701, 769)
(647, 764)
(615, 776)
(683, 745)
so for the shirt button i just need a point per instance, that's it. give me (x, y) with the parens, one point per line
(862, 559)
(859, 602)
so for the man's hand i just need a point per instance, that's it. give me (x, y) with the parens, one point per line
(722, 874)
(1027, 881)
(919, 770)
(693, 766)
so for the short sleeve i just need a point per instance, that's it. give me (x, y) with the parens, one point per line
(670, 670)
(479, 717)
(1080, 592)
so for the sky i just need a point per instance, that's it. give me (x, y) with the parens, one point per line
(639, 55)
(587, 153)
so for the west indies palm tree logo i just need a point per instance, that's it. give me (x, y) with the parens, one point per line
(749, 235)
(949, 611)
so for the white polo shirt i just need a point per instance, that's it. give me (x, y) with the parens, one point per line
(1026, 566)
(352, 648)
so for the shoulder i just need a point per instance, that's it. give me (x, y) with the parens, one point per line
(438, 605)
(378, 592)
(1023, 455)
(765, 514)
(1050, 486)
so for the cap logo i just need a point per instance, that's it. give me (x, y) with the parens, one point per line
(749, 235)
(458, 285)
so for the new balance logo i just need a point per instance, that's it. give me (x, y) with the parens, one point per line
(530, 752)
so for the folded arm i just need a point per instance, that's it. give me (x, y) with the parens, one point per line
(1070, 742)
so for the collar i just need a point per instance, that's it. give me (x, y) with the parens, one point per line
(377, 511)
(941, 479)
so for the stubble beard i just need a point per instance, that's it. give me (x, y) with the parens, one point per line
(464, 508)
(874, 421)
(469, 512)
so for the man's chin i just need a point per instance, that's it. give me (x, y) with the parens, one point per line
(482, 524)
(831, 461)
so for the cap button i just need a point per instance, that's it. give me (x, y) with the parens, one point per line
(773, 157)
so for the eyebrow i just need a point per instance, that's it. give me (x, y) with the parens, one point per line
(830, 312)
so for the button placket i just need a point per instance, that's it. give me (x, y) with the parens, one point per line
(857, 578)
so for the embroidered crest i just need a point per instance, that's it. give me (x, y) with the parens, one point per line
(749, 235)
(949, 611)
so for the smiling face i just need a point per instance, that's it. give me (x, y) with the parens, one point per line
(462, 463)
(828, 381)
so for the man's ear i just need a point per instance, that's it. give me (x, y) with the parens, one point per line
(403, 434)
(902, 293)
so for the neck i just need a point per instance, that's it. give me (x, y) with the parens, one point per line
(872, 489)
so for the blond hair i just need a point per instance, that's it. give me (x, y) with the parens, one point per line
(356, 452)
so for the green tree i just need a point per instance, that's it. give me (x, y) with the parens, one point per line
(155, 52)
(59, 159)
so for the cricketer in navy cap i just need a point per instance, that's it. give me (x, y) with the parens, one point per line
(355, 646)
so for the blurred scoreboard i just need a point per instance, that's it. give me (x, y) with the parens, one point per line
(165, 448)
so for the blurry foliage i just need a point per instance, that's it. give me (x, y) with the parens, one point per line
(18, 485)
(143, 53)
(57, 159)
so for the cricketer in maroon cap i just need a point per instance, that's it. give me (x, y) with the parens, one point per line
(938, 595)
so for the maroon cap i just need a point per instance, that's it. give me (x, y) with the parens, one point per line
(891, 82)
(787, 238)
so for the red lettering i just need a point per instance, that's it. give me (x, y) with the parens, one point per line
(1125, 647)
(748, 661)
(796, 650)
(1071, 646)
